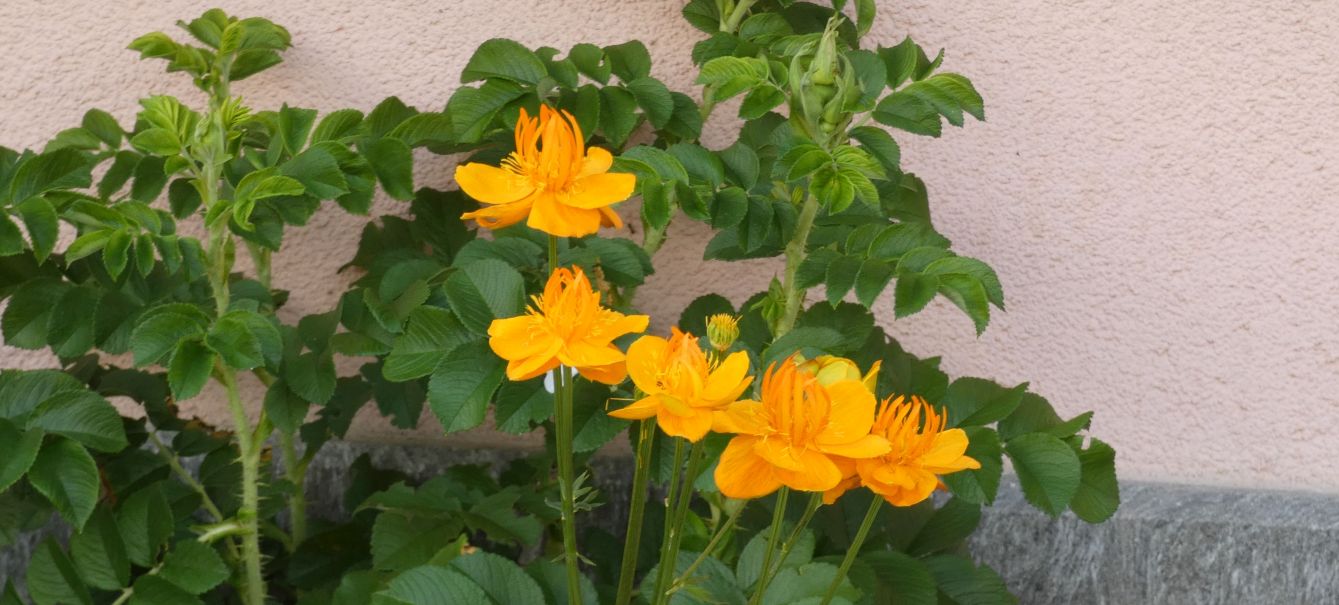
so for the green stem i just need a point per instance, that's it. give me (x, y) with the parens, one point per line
(563, 441)
(248, 514)
(815, 501)
(721, 533)
(260, 257)
(854, 550)
(795, 254)
(637, 509)
(670, 563)
(731, 22)
(667, 536)
(174, 463)
(778, 516)
(295, 469)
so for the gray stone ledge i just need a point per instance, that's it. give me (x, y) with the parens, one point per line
(1168, 544)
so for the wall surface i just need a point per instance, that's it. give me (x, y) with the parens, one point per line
(1155, 186)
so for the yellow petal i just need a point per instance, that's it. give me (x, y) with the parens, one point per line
(502, 215)
(692, 427)
(625, 324)
(600, 190)
(610, 374)
(742, 417)
(729, 380)
(581, 354)
(609, 218)
(517, 337)
(645, 357)
(817, 473)
(779, 453)
(868, 446)
(597, 161)
(852, 413)
(742, 473)
(530, 367)
(492, 185)
(554, 218)
(946, 453)
(641, 409)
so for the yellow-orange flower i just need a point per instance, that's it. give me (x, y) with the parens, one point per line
(565, 325)
(830, 369)
(791, 436)
(552, 180)
(921, 451)
(682, 388)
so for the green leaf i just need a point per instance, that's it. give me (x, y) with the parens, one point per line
(590, 60)
(908, 113)
(154, 590)
(39, 217)
(393, 162)
(501, 579)
(618, 115)
(803, 160)
(311, 376)
(654, 99)
(806, 584)
(873, 278)
(235, 344)
(901, 578)
(145, 521)
(319, 173)
(193, 567)
(11, 238)
(522, 405)
(99, 554)
(966, 584)
(189, 369)
(65, 473)
(472, 110)
(506, 59)
(1048, 470)
(52, 579)
(730, 76)
(400, 542)
(761, 100)
(18, 450)
(1098, 496)
(979, 485)
(461, 387)
(950, 525)
(431, 333)
(1035, 415)
(430, 585)
(59, 169)
(284, 407)
(337, 125)
(749, 567)
(913, 292)
(116, 254)
(483, 291)
(841, 277)
(968, 294)
(629, 60)
(159, 331)
(157, 141)
(805, 338)
(103, 126)
(977, 401)
(83, 416)
(878, 143)
(150, 178)
(711, 582)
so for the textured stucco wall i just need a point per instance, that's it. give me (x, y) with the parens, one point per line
(1154, 185)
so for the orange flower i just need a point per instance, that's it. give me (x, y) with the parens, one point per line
(792, 436)
(922, 450)
(562, 187)
(682, 388)
(565, 325)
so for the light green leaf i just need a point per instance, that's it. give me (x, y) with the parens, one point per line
(59, 169)
(729, 76)
(461, 387)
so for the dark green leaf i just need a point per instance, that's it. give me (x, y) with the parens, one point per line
(501, 579)
(979, 485)
(52, 579)
(506, 59)
(431, 333)
(189, 369)
(154, 590)
(977, 401)
(83, 416)
(1048, 470)
(193, 567)
(461, 387)
(145, 521)
(629, 60)
(393, 162)
(1098, 496)
(65, 473)
(483, 291)
(99, 554)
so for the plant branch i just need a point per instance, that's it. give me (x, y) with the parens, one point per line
(637, 509)
(854, 550)
(796, 250)
(774, 533)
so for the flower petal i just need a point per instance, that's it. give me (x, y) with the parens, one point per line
(742, 417)
(597, 161)
(581, 353)
(852, 413)
(609, 218)
(555, 218)
(742, 473)
(692, 427)
(641, 409)
(729, 380)
(610, 374)
(502, 215)
(868, 446)
(530, 367)
(645, 357)
(600, 190)
(817, 473)
(946, 454)
(492, 185)
(517, 337)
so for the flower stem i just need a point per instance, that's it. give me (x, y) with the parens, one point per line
(815, 501)
(795, 254)
(778, 515)
(670, 562)
(637, 509)
(563, 441)
(854, 550)
(667, 536)
(716, 538)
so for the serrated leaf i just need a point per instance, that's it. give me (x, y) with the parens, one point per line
(393, 162)
(99, 554)
(145, 522)
(431, 333)
(506, 59)
(193, 567)
(483, 291)
(501, 579)
(1098, 495)
(52, 578)
(18, 450)
(977, 401)
(629, 60)
(461, 387)
(400, 542)
(1048, 470)
(154, 590)
(83, 416)
(979, 486)
(65, 473)
(968, 294)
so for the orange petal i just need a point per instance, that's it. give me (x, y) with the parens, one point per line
(641, 409)
(581, 354)
(530, 367)
(742, 473)
(852, 413)
(817, 473)
(600, 190)
(609, 218)
(645, 358)
(555, 218)
(502, 215)
(492, 185)
(729, 380)
(742, 417)
(692, 427)
(516, 337)
(597, 161)
(868, 446)
(779, 453)
(610, 374)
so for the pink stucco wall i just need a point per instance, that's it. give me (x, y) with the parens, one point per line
(1156, 186)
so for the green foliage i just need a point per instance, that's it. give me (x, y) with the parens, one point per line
(160, 211)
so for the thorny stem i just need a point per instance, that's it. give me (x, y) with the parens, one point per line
(637, 509)
(795, 253)
(186, 477)
(295, 470)
(778, 515)
(854, 550)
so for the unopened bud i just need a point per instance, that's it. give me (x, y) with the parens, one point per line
(722, 331)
